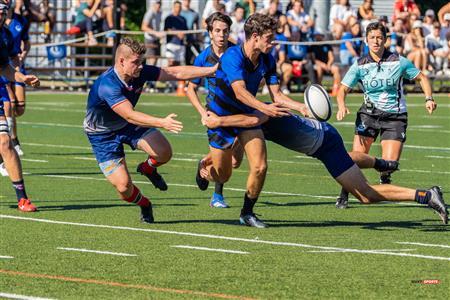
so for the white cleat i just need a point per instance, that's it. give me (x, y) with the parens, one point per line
(3, 171)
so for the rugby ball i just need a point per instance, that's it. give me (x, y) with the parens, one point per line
(318, 102)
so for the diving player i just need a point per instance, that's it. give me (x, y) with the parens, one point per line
(111, 121)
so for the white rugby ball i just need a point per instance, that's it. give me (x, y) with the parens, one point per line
(318, 102)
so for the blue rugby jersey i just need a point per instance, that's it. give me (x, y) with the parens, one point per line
(7, 50)
(19, 30)
(382, 82)
(207, 58)
(234, 66)
(108, 91)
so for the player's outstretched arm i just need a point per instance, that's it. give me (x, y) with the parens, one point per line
(12, 75)
(195, 101)
(243, 95)
(241, 120)
(126, 111)
(342, 108)
(278, 97)
(185, 72)
(430, 104)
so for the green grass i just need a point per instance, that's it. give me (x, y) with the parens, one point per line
(68, 188)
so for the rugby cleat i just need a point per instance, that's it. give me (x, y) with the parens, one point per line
(387, 165)
(147, 214)
(17, 147)
(3, 171)
(252, 221)
(218, 201)
(437, 203)
(154, 178)
(385, 178)
(25, 205)
(342, 200)
(202, 183)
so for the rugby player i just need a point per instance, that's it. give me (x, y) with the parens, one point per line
(111, 121)
(218, 26)
(7, 152)
(383, 112)
(322, 141)
(238, 77)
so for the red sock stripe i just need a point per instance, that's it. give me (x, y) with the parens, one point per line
(152, 162)
(135, 195)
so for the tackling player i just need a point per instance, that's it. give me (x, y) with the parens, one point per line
(218, 26)
(383, 112)
(322, 141)
(111, 121)
(7, 152)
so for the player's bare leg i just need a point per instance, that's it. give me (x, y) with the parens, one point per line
(354, 181)
(120, 178)
(159, 152)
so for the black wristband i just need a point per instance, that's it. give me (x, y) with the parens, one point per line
(430, 98)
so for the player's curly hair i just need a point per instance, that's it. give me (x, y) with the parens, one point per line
(135, 46)
(376, 26)
(259, 24)
(217, 16)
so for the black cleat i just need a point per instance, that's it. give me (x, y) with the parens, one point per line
(252, 221)
(385, 178)
(202, 183)
(387, 165)
(154, 178)
(147, 214)
(437, 203)
(341, 202)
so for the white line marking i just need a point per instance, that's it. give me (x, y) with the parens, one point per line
(6, 257)
(377, 250)
(84, 158)
(437, 156)
(22, 297)
(425, 245)
(210, 249)
(96, 251)
(34, 160)
(227, 238)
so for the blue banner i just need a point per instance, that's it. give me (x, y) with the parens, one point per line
(56, 52)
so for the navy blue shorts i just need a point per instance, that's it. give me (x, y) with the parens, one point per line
(224, 137)
(332, 153)
(4, 96)
(109, 146)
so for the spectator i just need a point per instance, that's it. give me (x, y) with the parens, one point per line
(151, 26)
(249, 7)
(396, 40)
(175, 48)
(237, 33)
(84, 20)
(403, 9)
(107, 13)
(192, 22)
(442, 12)
(445, 27)
(211, 7)
(438, 49)
(323, 60)
(284, 66)
(351, 50)
(366, 13)
(415, 47)
(274, 9)
(428, 22)
(42, 12)
(299, 21)
(267, 4)
(339, 15)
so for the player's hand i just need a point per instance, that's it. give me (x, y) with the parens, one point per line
(211, 120)
(342, 112)
(31, 80)
(303, 109)
(430, 106)
(275, 110)
(170, 124)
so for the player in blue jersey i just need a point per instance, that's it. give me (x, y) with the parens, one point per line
(218, 26)
(18, 25)
(7, 152)
(111, 121)
(238, 78)
(322, 141)
(383, 112)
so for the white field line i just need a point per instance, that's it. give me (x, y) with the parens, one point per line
(6, 257)
(34, 160)
(96, 251)
(69, 110)
(227, 238)
(437, 156)
(425, 245)
(375, 250)
(210, 249)
(22, 297)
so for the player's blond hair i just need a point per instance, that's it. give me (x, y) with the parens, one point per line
(135, 46)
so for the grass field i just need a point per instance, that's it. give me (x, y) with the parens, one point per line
(311, 250)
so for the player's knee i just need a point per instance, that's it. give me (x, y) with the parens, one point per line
(123, 187)
(236, 163)
(259, 170)
(223, 176)
(5, 143)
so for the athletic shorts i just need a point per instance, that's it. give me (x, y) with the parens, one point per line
(4, 96)
(109, 146)
(175, 52)
(389, 126)
(153, 48)
(2, 111)
(332, 153)
(223, 137)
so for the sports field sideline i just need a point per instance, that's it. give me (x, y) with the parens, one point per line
(84, 243)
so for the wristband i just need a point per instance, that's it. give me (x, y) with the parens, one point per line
(429, 98)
